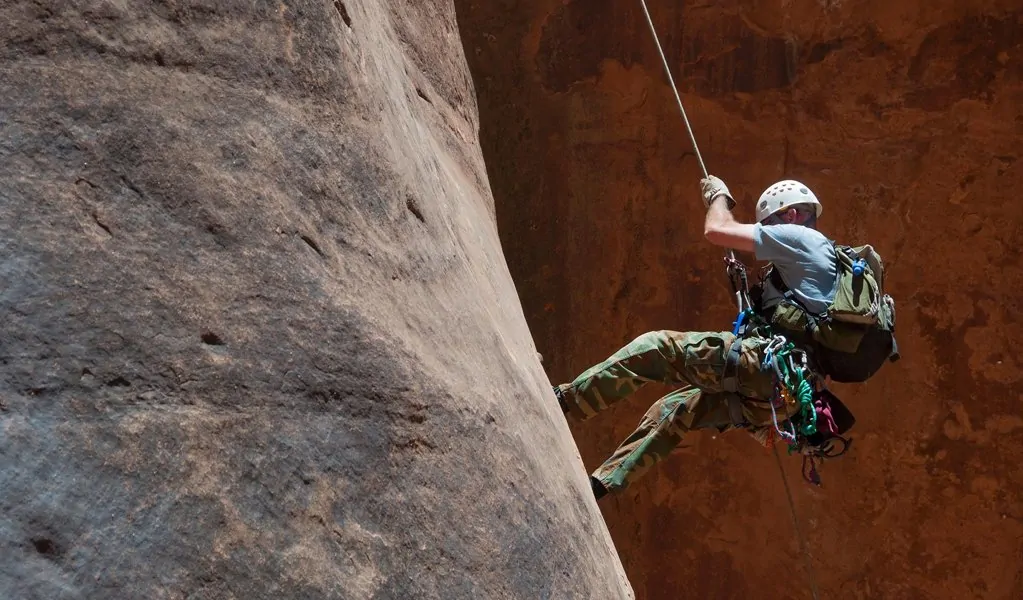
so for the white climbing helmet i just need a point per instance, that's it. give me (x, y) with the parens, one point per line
(784, 194)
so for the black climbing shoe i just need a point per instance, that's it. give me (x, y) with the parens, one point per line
(599, 491)
(561, 399)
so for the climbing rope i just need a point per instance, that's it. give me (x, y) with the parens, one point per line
(678, 98)
(788, 374)
(667, 71)
(803, 546)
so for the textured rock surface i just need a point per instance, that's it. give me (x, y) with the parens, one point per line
(259, 338)
(906, 119)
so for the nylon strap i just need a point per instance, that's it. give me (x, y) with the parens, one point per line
(735, 410)
(730, 382)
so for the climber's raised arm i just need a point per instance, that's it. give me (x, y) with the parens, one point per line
(720, 227)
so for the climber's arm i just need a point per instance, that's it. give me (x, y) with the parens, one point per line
(721, 229)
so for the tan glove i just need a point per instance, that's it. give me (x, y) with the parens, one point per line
(712, 187)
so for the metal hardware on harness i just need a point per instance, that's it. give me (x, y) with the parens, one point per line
(740, 282)
(814, 455)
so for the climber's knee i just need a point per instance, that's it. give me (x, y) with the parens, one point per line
(660, 342)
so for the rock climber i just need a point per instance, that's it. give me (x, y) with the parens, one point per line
(819, 311)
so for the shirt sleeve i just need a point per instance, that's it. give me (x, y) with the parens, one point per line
(782, 242)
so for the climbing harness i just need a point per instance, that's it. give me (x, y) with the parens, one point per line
(791, 377)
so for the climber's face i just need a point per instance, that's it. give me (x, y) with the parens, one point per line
(799, 214)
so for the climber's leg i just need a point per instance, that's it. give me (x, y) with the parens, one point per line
(659, 433)
(671, 357)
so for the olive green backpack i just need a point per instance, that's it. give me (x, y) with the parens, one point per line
(856, 334)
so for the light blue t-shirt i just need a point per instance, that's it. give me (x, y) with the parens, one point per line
(805, 259)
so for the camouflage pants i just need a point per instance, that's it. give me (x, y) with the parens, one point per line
(695, 360)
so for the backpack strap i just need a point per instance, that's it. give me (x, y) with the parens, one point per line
(788, 295)
(730, 382)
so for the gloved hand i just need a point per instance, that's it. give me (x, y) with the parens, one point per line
(713, 187)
